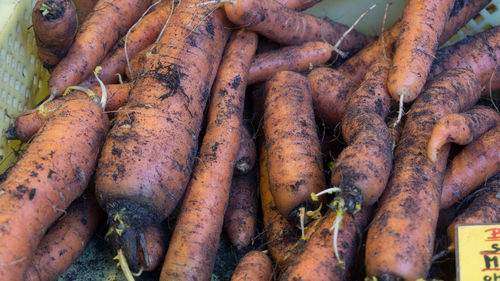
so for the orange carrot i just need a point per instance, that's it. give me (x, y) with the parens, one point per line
(472, 166)
(52, 172)
(245, 160)
(65, 240)
(84, 8)
(55, 24)
(401, 236)
(109, 20)
(254, 266)
(461, 128)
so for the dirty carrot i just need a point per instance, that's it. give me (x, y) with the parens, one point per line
(401, 235)
(55, 24)
(247, 154)
(192, 249)
(53, 171)
(461, 128)
(109, 20)
(84, 8)
(472, 166)
(65, 241)
(240, 220)
(254, 266)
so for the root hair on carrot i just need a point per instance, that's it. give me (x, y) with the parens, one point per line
(398, 120)
(335, 227)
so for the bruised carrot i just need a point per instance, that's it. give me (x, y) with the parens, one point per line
(247, 154)
(294, 151)
(485, 209)
(286, 26)
(316, 260)
(254, 266)
(362, 169)
(240, 220)
(55, 24)
(192, 249)
(109, 20)
(294, 58)
(472, 166)
(141, 36)
(421, 26)
(401, 236)
(461, 128)
(65, 240)
(135, 184)
(53, 171)
(84, 8)
(28, 123)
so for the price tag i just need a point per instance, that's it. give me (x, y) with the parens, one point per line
(478, 252)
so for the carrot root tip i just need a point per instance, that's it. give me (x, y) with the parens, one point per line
(398, 120)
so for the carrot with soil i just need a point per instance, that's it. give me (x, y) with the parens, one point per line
(65, 240)
(55, 24)
(84, 8)
(472, 166)
(401, 236)
(192, 249)
(254, 266)
(53, 171)
(461, 128)
(247, 154)
(109, 20)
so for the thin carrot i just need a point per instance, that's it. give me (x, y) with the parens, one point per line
(247, 154)
(461, 128)
(254, 266)
(472, 166)
(401, 236)
(55, 24)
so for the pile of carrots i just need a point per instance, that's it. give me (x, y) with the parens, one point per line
(320, 152)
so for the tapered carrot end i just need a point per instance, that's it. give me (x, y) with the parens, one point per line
(432, 155)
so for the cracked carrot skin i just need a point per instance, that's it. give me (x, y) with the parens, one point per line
(401, 236)
(254, 266)
(472, 166)
(52, 172)
(65, 240)
(462, 128)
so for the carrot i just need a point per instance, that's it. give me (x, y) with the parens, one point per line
(471, 167)
(485, 209)
(316, 260)
(421, 26)
(362, 169)
(461, 128)
(245, 160)
(84, 8)
(286, 26)
(294, 58)
(28, 123)
(295, 164)
(298, 5)
(65, 240)
(254, 266)
(240, 220)
(55, 24)
(401, 235)
(135, 184)
(192, 250)
(109, 20)
(142, 35)
(52, 172)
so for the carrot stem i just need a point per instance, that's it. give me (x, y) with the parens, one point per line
(122, 262)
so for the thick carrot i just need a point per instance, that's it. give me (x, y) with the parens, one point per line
(28, 123)
(141, 36)
(316, 260)
(294, 151)
(192, 250)
(472, 166)
(84, 8)
(55, 24)
(254, 266)
(485, 209)
(401, 236)
(421, 26)
(461, 128)
(109, 20)
(247, 154)
(286, 26)
(52, 172)
(240, 220)
(362, 169)
(65, 240)
(294, 58)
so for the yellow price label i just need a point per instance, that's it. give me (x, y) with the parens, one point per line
(478, 252)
